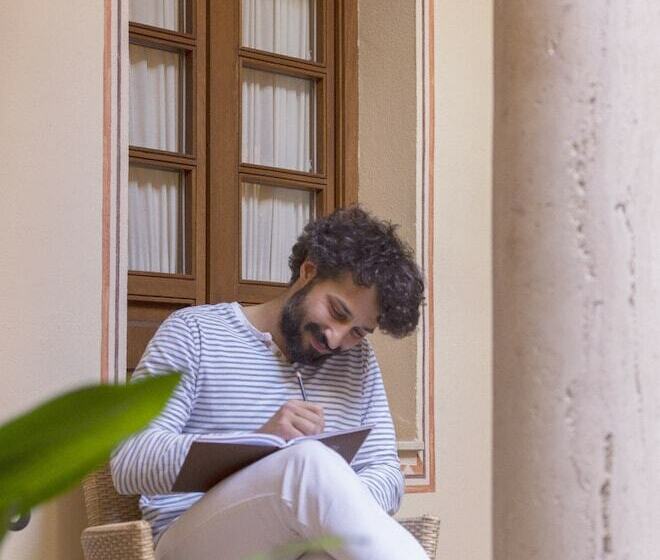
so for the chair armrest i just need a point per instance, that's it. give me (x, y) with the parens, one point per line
(425, 529)
(131, 540)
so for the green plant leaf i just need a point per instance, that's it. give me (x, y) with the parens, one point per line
(4, 523)
(51, 448)
(298, 548)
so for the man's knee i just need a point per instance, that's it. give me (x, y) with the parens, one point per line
(313, 476)
(316, 458)
(312, 451)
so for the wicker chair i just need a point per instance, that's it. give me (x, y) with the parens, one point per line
(117, 532)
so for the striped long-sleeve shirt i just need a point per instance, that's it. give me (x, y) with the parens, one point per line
(234, 379)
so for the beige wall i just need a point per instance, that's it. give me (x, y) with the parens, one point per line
(387, 165)
(50, 225)
(463, 300)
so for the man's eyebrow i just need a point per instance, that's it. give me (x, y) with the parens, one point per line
(346, 311)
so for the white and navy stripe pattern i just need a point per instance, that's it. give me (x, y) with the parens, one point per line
(234, 381)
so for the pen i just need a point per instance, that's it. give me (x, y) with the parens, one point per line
(302, 387)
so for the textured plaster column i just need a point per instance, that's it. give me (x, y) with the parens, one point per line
(577, 280)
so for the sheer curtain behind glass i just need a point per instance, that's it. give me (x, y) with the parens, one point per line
(272, 219)
(278, 120)
(278, 130)
(159, 13)
(155, 220)
(155, 98)
(155, 197)
(280, 26)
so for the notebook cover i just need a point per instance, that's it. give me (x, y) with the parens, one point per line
(207, 463)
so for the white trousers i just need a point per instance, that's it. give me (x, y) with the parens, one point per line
(305, 491)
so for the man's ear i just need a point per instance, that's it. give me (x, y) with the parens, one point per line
(308, 271)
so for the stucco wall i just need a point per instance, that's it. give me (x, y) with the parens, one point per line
(50, 226)
(387, 164)
(463, 288)
(577, 270)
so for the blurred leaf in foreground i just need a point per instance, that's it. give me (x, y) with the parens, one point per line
(52, 447)
(298, 548)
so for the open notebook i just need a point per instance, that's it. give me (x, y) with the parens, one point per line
(209, 462)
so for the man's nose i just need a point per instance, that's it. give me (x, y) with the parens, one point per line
(334, 336)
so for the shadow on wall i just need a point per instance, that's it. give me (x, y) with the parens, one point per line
(53, 533)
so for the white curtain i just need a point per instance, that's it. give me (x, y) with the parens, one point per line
(159, 13)
(278, 120)
(155, 116)
(155, 220)
(155, 197)
(272, 219)
(278, 130)
(280, 26)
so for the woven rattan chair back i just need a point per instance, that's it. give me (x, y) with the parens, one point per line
(102, 502)
(426, 529)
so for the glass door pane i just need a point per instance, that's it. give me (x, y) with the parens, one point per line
(272, 218)
(157, 240)
(156, 99)
(285, 27)
(166, 14)
(279, 120)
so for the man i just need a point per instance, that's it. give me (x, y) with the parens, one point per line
(350, 274)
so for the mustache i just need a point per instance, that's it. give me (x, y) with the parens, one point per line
(315, 330)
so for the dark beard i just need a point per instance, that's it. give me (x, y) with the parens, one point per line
(291, 325)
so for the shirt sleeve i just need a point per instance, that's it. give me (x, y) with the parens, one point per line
(149, 462)
(377, 463)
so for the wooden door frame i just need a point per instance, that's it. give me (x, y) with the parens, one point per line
(339, 54)
(346, 88)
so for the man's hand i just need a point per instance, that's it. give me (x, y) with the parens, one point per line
(295, 418)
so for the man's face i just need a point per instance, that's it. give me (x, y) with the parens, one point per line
(326, 317)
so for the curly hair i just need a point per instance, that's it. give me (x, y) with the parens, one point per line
(351, 240)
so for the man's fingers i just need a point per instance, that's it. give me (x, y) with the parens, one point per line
(308, 415)
(306, 405)
(305, 426)
(294, 419)
(290, 432)
(304, 408)
(316, 408)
